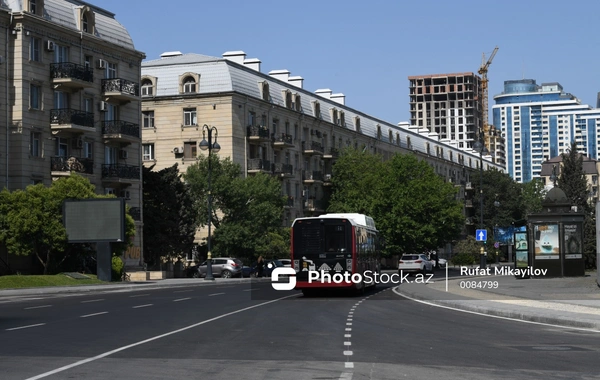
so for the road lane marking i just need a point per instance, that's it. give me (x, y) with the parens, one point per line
(37, 307)
(182, 299)
(140, 295)
(249, 290)
(25, 327)
(92, 315)
(138, 306)
(108, 353)
(348, 353)
(215, 294)
(98, 300)
(183, 291)
(348, 365)
(346, 375)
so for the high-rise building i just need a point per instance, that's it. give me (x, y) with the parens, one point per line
(69, 100)
(449, 105)
(539, 122)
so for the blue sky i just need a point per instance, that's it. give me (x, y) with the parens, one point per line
(367, 49)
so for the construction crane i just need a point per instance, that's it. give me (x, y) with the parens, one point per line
(483, 70)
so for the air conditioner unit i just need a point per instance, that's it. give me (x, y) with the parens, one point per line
(123, 154)
(102, 64)
(327, 177)
(77, 143)
(178, 150)
(50, 45)
(103, 106)
(125, 194)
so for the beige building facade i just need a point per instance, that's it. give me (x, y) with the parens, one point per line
(71, 103)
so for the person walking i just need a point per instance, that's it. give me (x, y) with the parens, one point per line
(260, 267)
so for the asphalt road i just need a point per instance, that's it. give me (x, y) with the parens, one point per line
(246, 331)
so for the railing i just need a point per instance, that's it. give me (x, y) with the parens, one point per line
(280, 168)
(313, 204)
(70, 116)
(136, 213)
(284, 138)
(308, 175)
(313, 145)
(71, 70)
(468, 203)
(120, 171)
(289, 201)
(113, 127)
(123, 86)
(258, 131)
(259, 164)
(72, 164)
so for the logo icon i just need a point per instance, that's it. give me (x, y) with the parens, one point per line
(283, 271)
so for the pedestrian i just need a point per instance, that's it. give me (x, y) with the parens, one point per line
(260, 266)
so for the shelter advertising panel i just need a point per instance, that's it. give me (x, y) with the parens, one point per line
(546, 242)
(573, 241)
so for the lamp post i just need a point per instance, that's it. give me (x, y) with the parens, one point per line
(497, 205)
(481, 149)
(212, 147)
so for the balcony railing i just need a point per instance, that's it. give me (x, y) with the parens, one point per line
(256, 164)
(120, 127)
(312, 146)
(313, 204)
(136, 213)
(283, 139)
(115, 171)
(68, 70)
(122, 86)
(283, 169)
(258, 132)
(64, 116)
(72, 164)
(289, 201)
(308, 175)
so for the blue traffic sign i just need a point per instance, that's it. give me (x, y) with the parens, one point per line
(481, 235)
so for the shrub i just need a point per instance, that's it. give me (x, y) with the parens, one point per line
(463, 259)
(117, 268)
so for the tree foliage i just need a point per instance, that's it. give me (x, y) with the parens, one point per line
(244, 210)
(532, 196)
(170, 220)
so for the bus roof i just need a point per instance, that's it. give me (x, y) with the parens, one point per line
(356, 219)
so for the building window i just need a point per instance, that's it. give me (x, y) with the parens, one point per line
(251, 118)
(317, 110)
(147, 87)
(190, 150)
(265, 91)
(297, 103)
(288, 100)
(36, 6)
(111, 70)
(34, 49)
(88, 62)
(148, 152)
(357, 124)
(35, 96)
(148, 119)
(61, 53)
(88, 148)
(84, 23)
(342, 118)
(189, 85)
(189, 117)
(35, 149)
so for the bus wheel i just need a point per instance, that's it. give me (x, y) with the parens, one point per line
(360, 291)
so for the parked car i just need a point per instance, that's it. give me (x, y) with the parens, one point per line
(414, 263)
(225, 267)
(192, 271)
(286, 262)
(270, 265)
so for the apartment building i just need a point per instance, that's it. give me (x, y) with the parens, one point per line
(539, 122)
(70, 100)
(268, 122)
(552, 169)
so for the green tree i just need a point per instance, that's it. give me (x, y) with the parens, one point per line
(466, 252)
(533, 194)
(170, 220)
(502, 199)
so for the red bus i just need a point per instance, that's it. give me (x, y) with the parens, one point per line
(335, 246)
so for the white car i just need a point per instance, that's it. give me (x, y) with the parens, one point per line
(441, 262)
(414, 263)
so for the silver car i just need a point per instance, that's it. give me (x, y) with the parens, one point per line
(225, 267)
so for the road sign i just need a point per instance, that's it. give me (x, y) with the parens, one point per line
(481, 235)
(496, 245)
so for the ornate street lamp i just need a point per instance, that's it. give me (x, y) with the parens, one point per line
(481, 149)
(212, 147)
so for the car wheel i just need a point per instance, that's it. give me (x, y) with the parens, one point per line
(196, 275)
(226, 274)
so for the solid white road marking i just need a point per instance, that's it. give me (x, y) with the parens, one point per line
(349, 365)
(346, 375)
(215, 294)
(108, 353)
(25, 327)
(140, 295)
(138, 306)
(92, 315)
(37, 307)
(182, 299)
(98, 300)
(183, 291)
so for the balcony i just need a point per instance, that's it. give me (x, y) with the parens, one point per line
(327, 180)
(258, 165)
(283, 170)
(313, 205)
(468, 186)
(258, 133)
(312, 148)
(289, 202)
(71, 75)
(282, 140)
(63, 166)
(310, 177)
(333, 153)
(115, 174)
(119, 130)
(468, 203)
(70, 119)
(136, 213)
(120, 90)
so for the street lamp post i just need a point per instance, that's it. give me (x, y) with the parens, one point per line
(481, 149)
(212, 147)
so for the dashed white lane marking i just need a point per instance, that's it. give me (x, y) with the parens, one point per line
(138, 306)
(183, 291)
(108, 353)
(25, 327)
(346, 375)
(182, 299)
(88, 301)
(37, 307)
(215, 294)
(248, 290)
(140, 295)
(349, 365)
(347, 335)
(94, 314)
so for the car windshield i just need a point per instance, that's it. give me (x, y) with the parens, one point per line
(277, 263)
(410, 257)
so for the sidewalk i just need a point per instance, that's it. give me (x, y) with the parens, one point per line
(568, 301)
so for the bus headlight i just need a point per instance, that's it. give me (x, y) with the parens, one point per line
(349, 265)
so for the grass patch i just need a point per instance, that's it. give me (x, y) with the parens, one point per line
(33, 281)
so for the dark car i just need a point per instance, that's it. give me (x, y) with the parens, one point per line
(270, 265)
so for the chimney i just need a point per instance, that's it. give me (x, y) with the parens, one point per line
(339, 98)
(296, 81)
(282, 75)
(253, 63)
(169, 54)
(324, 92)
(235, 56)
